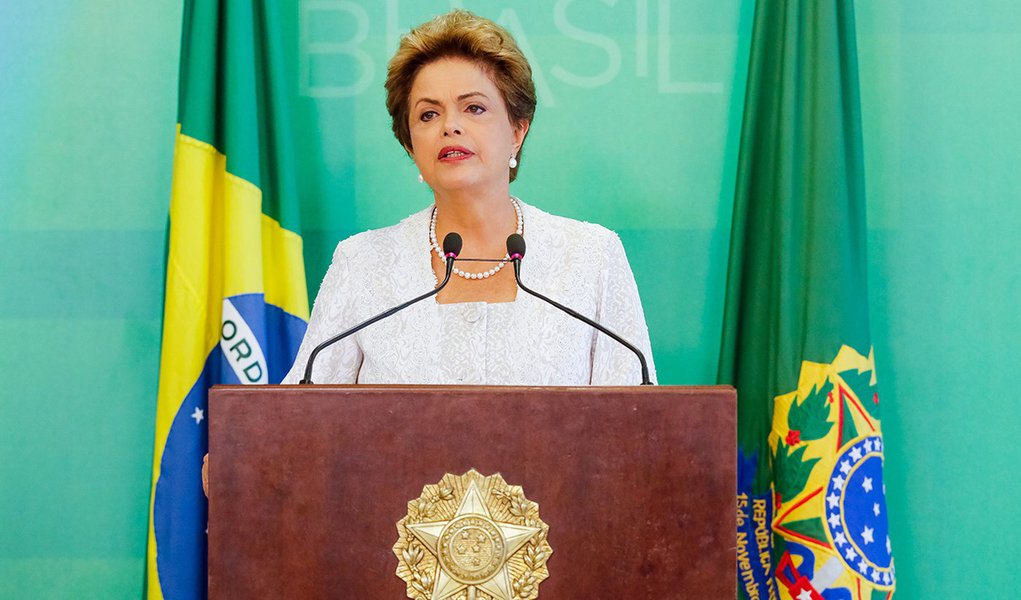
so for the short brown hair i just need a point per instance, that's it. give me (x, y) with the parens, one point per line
(462, 34)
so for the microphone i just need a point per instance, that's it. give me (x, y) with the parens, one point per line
(516, 250)
(451, 248)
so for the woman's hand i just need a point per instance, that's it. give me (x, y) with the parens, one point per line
(205, 474)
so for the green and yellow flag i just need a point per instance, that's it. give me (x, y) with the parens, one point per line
(236, 304)
(812, 521)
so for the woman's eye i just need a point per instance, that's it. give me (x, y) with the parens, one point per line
(428, 115)
(475, 109)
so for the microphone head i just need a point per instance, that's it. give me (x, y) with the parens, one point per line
(452, 245)
(516, 246)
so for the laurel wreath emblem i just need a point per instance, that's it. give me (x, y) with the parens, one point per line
(506, 504)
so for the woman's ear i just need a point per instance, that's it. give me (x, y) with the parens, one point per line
(519, 133)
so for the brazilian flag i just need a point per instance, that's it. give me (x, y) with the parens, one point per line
(236, 304)
(812, 520)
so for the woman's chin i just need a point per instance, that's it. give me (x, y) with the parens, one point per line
(461, 184)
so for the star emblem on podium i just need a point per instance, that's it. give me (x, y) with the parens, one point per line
(472, 549)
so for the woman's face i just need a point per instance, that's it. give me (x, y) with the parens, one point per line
(461, 134)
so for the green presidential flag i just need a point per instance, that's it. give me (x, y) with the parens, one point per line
(236, 304)
(812, 521)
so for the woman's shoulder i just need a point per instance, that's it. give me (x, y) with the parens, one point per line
(564, 232)
(385, 240)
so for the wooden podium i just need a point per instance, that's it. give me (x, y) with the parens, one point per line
(637, 484)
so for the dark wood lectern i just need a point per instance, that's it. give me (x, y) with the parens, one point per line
(637, 484)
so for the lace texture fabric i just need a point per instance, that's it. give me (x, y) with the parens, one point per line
(524, 342)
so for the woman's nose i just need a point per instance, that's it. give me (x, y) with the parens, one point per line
(452, 125)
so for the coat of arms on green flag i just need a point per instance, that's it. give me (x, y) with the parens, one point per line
(812, 521)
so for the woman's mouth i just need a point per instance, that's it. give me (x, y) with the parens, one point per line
(452, 153)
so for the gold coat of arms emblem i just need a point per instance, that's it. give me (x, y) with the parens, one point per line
(472, 537)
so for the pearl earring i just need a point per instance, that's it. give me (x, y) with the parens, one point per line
(420, 178)
(513, 161)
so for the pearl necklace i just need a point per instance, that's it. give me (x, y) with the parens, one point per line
(485, 274)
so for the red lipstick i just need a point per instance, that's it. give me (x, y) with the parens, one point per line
(454, 153)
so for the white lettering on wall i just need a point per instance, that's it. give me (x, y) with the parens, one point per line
(604, 43)
(665, 86)
(348, 64)
(642, 38)
(311, 75)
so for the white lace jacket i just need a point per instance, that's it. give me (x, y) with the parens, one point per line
(524, 342)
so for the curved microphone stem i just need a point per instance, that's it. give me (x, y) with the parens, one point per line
(333, 340)
(641, 357)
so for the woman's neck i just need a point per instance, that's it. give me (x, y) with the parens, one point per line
(483, 220)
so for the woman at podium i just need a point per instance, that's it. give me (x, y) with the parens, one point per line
(461, 97)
